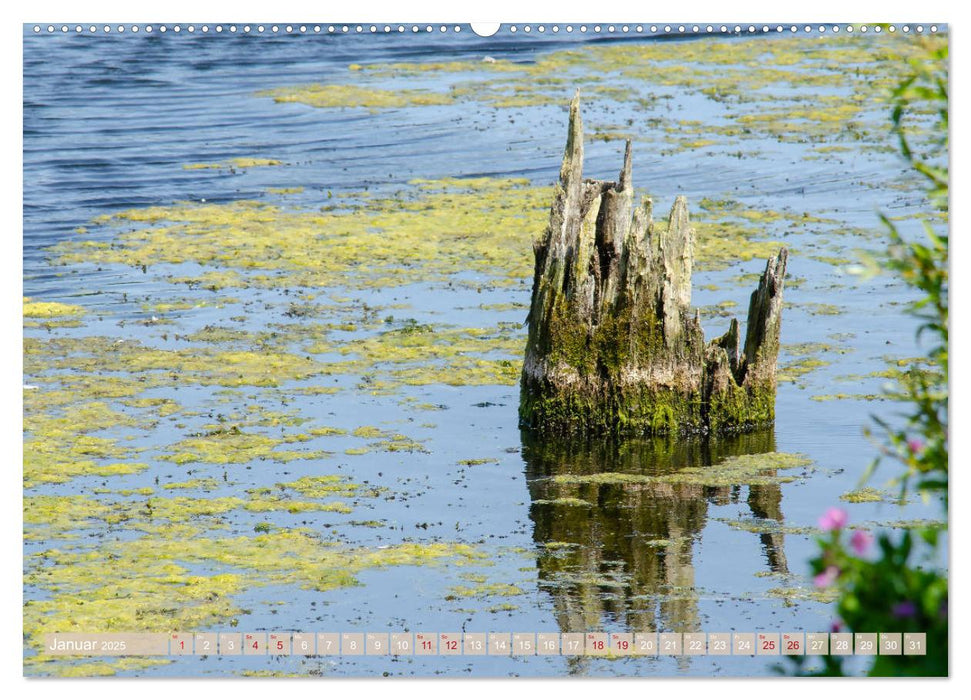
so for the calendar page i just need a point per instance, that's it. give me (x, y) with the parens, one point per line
(517, 350)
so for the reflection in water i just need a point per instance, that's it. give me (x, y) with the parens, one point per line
(620, 554)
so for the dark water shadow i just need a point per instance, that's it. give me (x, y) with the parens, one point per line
(620, 555)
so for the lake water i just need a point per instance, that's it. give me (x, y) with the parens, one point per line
(450, 518)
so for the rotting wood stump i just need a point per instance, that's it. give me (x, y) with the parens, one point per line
(614, 346)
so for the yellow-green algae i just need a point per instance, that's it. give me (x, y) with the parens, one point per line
(235, 163)
(435, 231)
(326, 486)
(768, 526)
(383, 441)
(866, 494)
(153, 589)
(354, 96)
(563, 502)
(801, 593)
(854, 397)
(484, 590)
(419, 354)
(58, 446)
(793, 89)
(795, 369)
(197, 365)
(206, 484)
(751, 470)
(234, 446)
(50, 309)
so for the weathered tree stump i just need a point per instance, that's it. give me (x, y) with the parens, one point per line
(613, 344)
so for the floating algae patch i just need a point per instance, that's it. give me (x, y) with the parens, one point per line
(906, 525)
(852, 397)
(484, 590)
(50, 309)
(51, 314)
(230, 445)
(260, 503)
(327, 486)
(354, 96)
(58, 448)
(864, 495)
(751, 470)
(235, 164)
(383, 441)
(795, 369)
(160, 407)
(62, 668)
(767, 526)
(431, 231)
(368, 431)
(421, 354)
(567, 501)
(47, 517)
(818, 309)
(162, 367)
(803, 593)
(204, 484)
(505, 306)
(787, 89)
(153, 587)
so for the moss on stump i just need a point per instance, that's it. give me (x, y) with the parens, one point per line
(614, 346)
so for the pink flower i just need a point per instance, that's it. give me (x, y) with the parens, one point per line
(827, 578)
(915, 446)
(833, 519)
(861, 541)
(835, 626)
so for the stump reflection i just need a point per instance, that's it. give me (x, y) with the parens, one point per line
(620, 554)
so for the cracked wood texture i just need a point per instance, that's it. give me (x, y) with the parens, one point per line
(614, 346)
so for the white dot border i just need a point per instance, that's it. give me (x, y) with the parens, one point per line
(528, 29)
